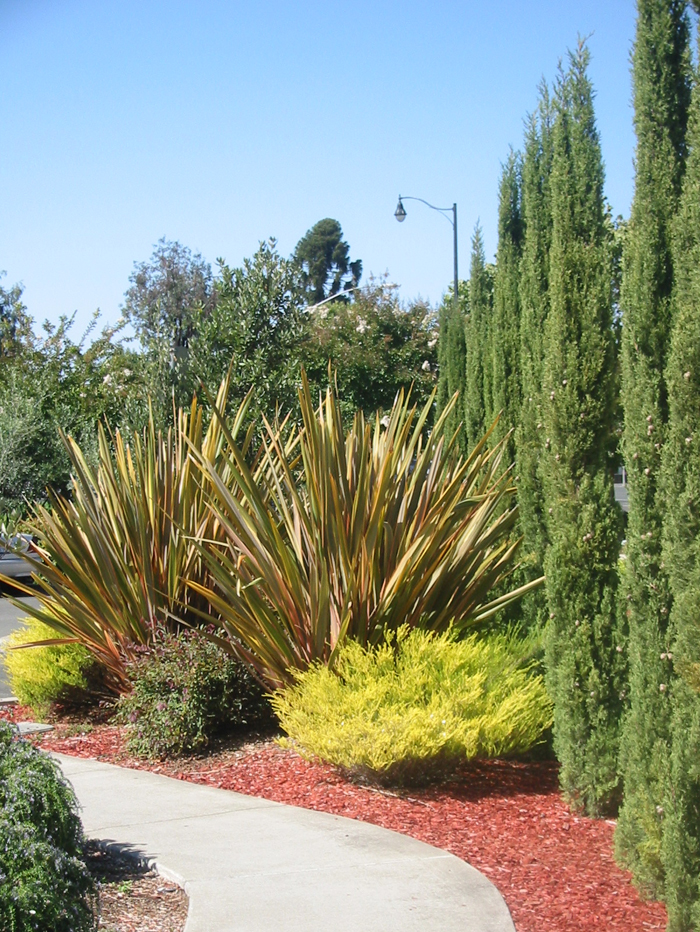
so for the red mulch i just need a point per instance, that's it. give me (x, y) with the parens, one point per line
(554, 869)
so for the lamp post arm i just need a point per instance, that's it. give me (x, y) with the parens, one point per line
(444, 211)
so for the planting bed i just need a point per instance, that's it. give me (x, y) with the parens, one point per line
(555, 869)
(134, 898)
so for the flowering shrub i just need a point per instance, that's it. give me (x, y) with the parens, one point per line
(184, 690)
(44, 885)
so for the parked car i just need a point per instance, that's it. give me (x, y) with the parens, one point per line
(16, 556)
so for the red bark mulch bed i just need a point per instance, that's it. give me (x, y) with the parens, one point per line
(554, 869)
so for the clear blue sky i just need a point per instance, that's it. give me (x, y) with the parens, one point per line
(219, 123)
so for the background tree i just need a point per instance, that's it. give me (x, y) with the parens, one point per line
(661, 71)
(16, 336)
(681, 557)
(375, 346)
(255, 326)
(324, 259)
(170, 295)
(583, 666)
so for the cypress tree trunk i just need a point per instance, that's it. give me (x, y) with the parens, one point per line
(661, 96)
(505, 330)
(583, 664)
(681, 555)
(534, 308)
(478, 386)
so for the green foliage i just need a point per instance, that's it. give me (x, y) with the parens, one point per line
(661, 72)
(584, 669)
(168, 297)
(353, 534)
(41, 676)
(478, 403)
(376, 348)
(324, 260)
(44, 886)
(420, 702)
(15, 323)
(185, 690)
(253, 332)
(681, 554)
(505, 327)
(53, 384)
(534, 300)
(452, 360)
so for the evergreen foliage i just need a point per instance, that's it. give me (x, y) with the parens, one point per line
(536, 213)
(324, 260)
(661, 92)
(477, 400)
(505, 328)
(681, 556)
(452, 361)
(583, 666)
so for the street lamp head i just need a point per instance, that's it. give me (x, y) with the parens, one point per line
(400, 212)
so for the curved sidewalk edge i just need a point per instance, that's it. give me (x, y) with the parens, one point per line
(251, 865)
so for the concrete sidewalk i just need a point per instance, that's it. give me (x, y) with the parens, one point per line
(251, 865)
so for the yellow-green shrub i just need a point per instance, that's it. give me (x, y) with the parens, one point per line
(40, 676)
(421, 700)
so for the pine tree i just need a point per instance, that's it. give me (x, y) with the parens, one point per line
(452, 363)
(478, 370)
(681, 556)
(582, 662)
(661, 96)
(505, 330)
(534, 308)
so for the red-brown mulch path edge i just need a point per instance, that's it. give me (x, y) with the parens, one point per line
(554, 869)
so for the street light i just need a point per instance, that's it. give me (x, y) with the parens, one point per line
(400, 214)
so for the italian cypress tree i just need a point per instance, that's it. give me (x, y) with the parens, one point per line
(478, 369)
(582, 662)
(536, 215)
(452, 363)
(681, 555)
(661, 97)
(505, 329)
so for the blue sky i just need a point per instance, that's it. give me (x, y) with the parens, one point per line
(221, 123)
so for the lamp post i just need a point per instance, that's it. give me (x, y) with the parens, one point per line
(400, 214)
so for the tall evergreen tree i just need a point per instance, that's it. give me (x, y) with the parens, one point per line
(536, 214)
(505, 329)
(661, 97)
(681, 556)
(452, 362)
(582, 661)
(478, 404)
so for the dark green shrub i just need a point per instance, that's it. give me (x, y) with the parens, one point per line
(186, 690)
(44, 886)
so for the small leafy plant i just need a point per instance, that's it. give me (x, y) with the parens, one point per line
(185, 689)
(44, 884)
(417, 704)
